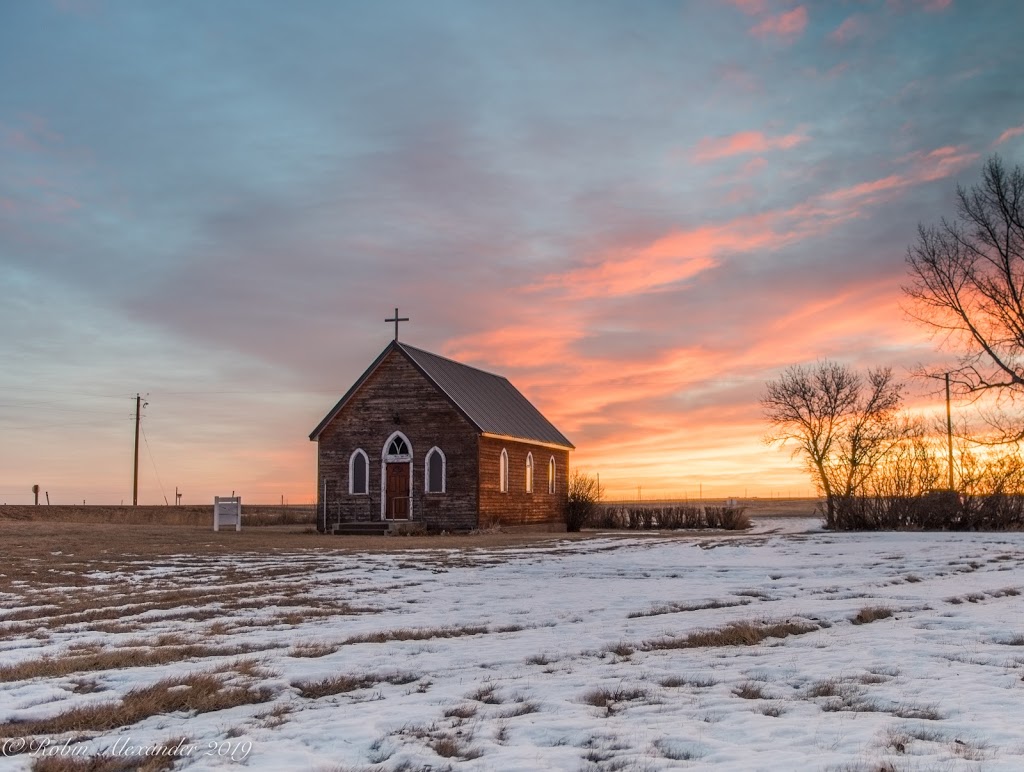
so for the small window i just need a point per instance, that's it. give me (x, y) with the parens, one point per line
(398, 447)
(503, 471)
(435, 476)
(529, 472)
(551, 475)
(358, 473)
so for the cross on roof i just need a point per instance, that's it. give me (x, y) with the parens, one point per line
(396, 320)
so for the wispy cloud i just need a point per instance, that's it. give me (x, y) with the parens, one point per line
(852, 27)
(743, 143)
(1010, 133)
(787, 26)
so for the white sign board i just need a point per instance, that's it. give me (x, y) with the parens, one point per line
(227, 511)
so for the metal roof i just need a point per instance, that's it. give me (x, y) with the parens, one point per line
(490, 402)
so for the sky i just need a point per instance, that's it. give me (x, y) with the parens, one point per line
(637, 212)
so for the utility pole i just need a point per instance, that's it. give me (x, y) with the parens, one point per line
(949, 433)
(135, 477)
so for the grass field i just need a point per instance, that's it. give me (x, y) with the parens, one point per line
(785, 648)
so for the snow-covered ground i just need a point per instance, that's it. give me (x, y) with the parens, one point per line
(571, 655)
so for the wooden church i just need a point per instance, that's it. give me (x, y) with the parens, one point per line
(424, 442)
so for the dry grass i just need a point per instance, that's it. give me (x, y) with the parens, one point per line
(487, 694)
(161, 759)
(313, 650)
(522, 707)
(452, 747)
(606, 698)
(750, 690)
(676, 608)
(462, 711)
(734, 634)
(871, 614)
(427, 633)
(115, 659)
(694, 681)
(342, 684)
(197, 692)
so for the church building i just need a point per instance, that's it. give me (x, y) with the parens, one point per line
(424, 442)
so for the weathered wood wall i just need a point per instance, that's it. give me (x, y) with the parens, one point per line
(517, 507)
(396, 397)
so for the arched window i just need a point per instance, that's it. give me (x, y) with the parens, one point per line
(358, 472)
(551, 475)
(503, 471)
(435, 472)
(529, 472)
(398, 447)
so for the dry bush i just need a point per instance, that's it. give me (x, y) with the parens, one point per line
(828, 688)
(521, 707)
(312, 650)
(462, 711)
(581, 501)
(452, 747)
(671, 517)
(734, 634)
(903, 493)
(198, 692)
(871, 614)
(487, 694)
(749, 690)
(1013, 640)
(928, 712)
(606, 698)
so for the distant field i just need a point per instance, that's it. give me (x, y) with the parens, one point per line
(253, 515)
(784, 648)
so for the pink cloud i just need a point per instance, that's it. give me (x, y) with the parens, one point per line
(742, 143)
(788, 26)
(1010, 133)
(934, 5)
(851, 28)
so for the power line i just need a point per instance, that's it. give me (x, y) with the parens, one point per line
(152, 461)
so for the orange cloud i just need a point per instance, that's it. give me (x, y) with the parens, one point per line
(615, 402)
(743, 143)
(1010, 133)
(671, 259)
(788, 26)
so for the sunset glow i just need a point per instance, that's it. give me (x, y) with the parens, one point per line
(638, 213)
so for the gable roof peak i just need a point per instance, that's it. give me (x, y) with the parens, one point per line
(489, 402)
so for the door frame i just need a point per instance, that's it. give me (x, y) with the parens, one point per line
(395, 458)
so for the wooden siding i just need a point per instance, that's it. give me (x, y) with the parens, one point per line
(397, 390)
(517, 507)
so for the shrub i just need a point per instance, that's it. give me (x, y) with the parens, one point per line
(671, 517)
(581, 503)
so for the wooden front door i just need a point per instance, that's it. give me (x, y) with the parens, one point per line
(397, 491)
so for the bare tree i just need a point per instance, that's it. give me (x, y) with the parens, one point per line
(841, 422)
(582, 500)
(967, 283)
